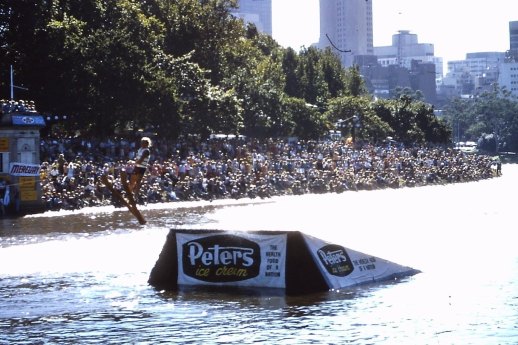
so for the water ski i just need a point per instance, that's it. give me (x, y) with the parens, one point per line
(130, 203)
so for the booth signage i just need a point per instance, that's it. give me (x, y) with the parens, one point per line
(27, 182)
(4, 144)
(28, 120)
(28, 195)
(24, 169)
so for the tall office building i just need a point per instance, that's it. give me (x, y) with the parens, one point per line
(512, 55)
(258, 12)
(507, 72)
(346, 27)
(473, 75)
(513, 35)
(405, 48)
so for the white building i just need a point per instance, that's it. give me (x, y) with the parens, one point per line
(346, 27)
(508, 77)
(405, 48)
(475, 74)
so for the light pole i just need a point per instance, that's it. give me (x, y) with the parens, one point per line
(14, 86)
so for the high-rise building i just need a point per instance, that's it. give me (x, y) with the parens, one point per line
(512, 54)
(474, 75)
(404, 49)
(405, 63)
(508, 71)
(513, 35)
(346, 27)
(508, 77)
(258, 12)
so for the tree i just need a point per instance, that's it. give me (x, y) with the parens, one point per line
(354, 82)
(334, 74)
(399, 92)
(86, 59)
(190, 67)
(435, 130)
(459, 115)
(312, 82)
(290, 63)
(492, 113)
(357, 118)
(412, 121)
(303, 119)
(205, 28)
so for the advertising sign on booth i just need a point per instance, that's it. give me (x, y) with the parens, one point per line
(4, 144)
(24, 169)
(28, 195)
(252, 260)
(28, 120)
(27, 182)
(342, 267)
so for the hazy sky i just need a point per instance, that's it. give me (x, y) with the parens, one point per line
(454, 27)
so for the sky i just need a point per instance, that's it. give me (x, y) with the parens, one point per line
(454, 27)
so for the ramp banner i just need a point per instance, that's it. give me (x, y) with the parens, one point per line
(244, 259)
(342, 267)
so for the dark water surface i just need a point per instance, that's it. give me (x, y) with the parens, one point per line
(81, 277)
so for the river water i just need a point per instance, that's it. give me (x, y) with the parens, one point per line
(81, 277)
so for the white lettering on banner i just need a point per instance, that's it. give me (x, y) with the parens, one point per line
(230, 258)
(22, 169)
(352, 267)
(220, 255)
(332, 257)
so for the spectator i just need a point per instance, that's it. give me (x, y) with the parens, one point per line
(237, 168)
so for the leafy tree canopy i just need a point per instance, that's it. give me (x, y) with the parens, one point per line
(190, 67)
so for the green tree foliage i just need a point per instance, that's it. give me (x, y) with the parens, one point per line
(399, 92)
(412, 121)
(290, 64)
(334, 74)
(182, 67)
(89, 60)
(492, 113)
(355, 117)
(354, 83)
(457, 113)
(178, 88)
(354, 113)
(304, 120)
(205, 28)
(25, 46)
(311, 77)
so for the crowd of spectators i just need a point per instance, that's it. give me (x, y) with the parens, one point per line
(187, 170)
(20, 106)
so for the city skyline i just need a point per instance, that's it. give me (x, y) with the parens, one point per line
(481, 28)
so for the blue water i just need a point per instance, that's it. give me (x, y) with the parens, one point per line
(81, 277)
